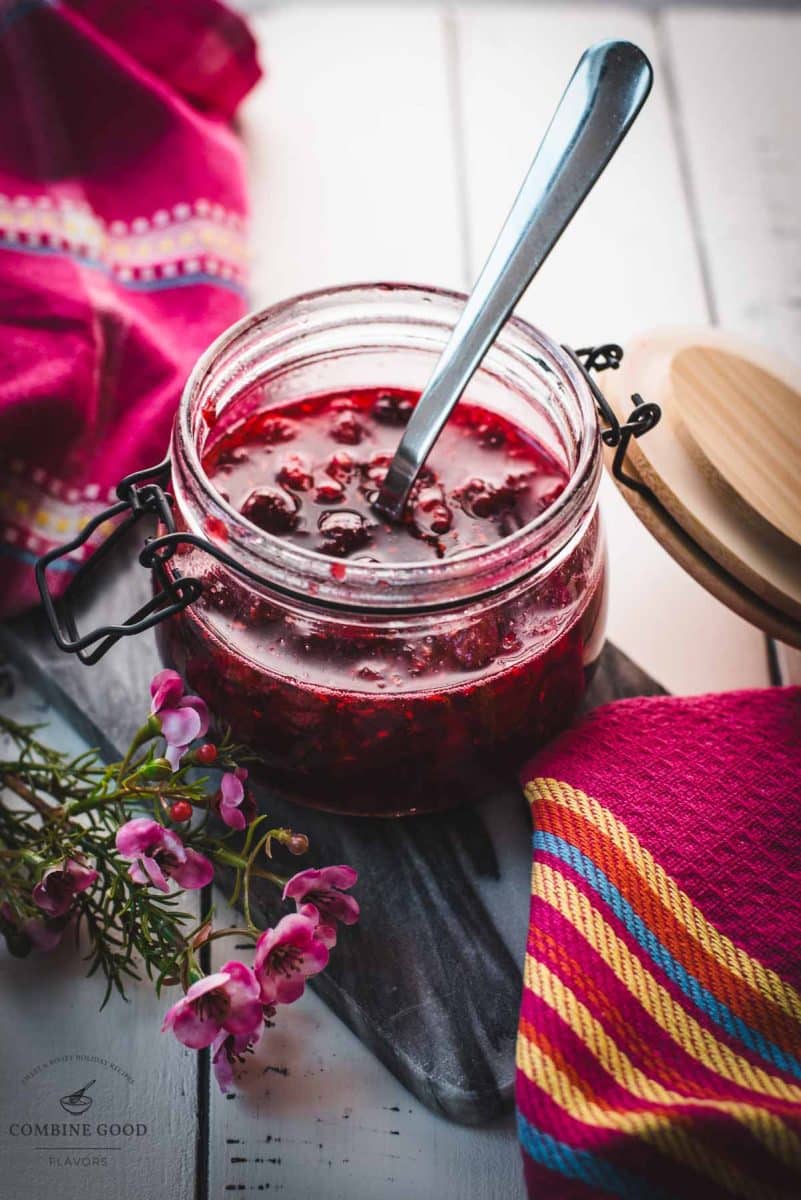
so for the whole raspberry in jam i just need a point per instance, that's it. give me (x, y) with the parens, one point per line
(343, 532)
(341, 466)
(275, 430)
(329, 492)
(347, 429)
(481, 499)
(271, 509)
(295, 474)
(392, 409)
(375, 471)
(430, 513)
(476, 498)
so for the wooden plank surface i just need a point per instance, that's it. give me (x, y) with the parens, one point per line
(388, 142)
(351, 157)
(738, 99)
(627, 263)
(314, 1113)
(738, 103)
(55, 1040)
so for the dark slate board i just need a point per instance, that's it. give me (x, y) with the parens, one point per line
(430, 977)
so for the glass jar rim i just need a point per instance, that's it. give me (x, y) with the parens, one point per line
(345, 583)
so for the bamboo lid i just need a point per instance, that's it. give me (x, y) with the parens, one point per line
(723, 466)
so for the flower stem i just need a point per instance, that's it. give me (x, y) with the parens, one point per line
(263, 841)
(251, 932)
(227, 857)
(278, 880)
(76, 807)
(146, 732)
(15, 784)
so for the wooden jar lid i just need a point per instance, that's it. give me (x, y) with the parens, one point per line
(722, 466)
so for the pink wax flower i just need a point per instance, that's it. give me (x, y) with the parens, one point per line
(44, 934)
(327, 934)
(322, 889)
(58, 887)
(183, 718)
(158, 854)
(227, 1049)
(286, 956)
(235, 802)
(47, 934)
(228, 1000)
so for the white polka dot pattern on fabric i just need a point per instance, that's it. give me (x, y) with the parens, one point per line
(41, 511)
(198, 241)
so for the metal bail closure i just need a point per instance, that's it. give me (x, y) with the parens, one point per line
(642, 418)
(141, 494)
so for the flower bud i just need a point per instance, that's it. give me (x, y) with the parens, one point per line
(153, 771)
(150, 729)
(181, 811)
(297, 843)
(202, 935)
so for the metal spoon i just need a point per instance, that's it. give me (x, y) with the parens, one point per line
(607, 90)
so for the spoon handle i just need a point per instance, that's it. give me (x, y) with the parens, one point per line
(602, 99)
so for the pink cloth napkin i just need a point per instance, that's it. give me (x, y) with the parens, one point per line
(659, 1047)
(122, 255)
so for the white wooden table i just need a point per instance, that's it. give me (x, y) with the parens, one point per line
(387, 142)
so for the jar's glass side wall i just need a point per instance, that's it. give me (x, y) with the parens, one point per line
(408, 708)
(359, 715)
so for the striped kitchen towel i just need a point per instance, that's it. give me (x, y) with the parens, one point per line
(659, 1047)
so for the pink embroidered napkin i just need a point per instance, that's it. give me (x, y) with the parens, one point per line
(659, 1047)
(122, 205)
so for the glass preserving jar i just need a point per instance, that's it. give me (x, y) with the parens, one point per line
(372, 687)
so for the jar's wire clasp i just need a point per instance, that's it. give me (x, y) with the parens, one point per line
(643, 417)
(140, 495)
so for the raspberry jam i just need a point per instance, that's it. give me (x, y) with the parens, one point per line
(382, 668)
(311, 472)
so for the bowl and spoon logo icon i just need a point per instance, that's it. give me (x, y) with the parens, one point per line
(77, 1103)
